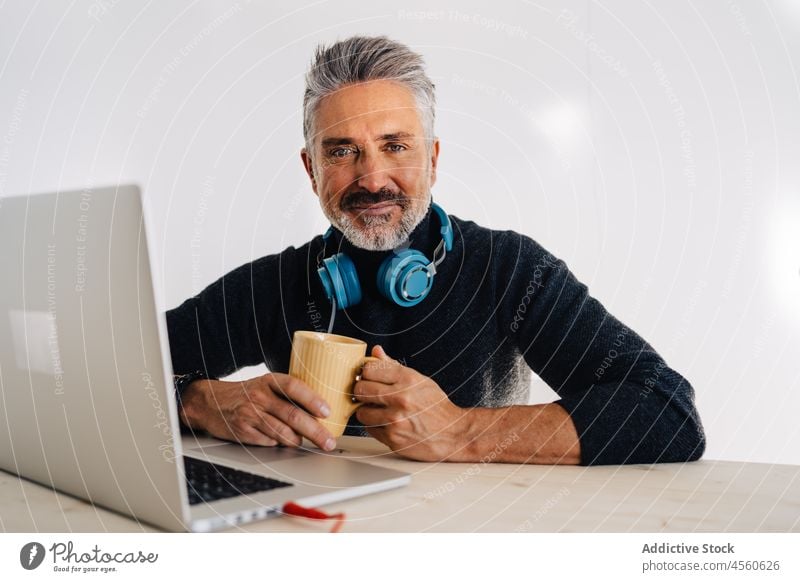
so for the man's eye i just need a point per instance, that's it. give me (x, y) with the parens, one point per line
(395, 147)
(340, 152)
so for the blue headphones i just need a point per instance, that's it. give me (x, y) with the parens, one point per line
(405, 277)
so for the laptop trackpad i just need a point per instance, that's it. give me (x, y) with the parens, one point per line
(249, 455)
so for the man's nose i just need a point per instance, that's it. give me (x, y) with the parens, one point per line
(372, 172)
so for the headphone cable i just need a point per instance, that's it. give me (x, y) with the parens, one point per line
(333, 314)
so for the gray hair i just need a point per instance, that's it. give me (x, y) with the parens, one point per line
(363, 58)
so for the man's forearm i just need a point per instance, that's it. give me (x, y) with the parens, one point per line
(538, 434)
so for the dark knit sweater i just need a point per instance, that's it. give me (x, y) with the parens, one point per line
(500, 306)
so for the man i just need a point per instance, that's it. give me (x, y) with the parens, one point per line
(456, 365)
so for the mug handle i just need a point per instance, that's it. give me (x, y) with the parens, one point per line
(358, 377)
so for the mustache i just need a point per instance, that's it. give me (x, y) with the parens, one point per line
(365, 198)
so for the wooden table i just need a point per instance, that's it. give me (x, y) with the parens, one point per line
(707, 496)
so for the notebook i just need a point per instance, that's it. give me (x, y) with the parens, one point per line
(86, 380)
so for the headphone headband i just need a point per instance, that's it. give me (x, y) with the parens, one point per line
(446, 229)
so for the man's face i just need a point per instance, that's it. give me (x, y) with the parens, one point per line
(370, 166)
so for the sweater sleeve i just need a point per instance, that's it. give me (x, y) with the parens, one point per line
(221, 329)
(627, 405)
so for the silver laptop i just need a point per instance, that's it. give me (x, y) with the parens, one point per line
(86, 380)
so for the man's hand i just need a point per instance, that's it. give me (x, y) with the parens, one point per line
(407, 411)
(413, 416)
(267, 410)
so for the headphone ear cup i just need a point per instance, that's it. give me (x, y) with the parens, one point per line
(405, 278)
(340, 280)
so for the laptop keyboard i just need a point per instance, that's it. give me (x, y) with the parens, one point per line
(210, 482)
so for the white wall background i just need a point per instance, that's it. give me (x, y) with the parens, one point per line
(653, 146)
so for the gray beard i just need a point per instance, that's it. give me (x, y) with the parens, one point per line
(375, 235)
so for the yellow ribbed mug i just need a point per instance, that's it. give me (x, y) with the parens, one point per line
(330, 365)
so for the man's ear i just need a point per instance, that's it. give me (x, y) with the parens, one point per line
(434, 160)
(309, 166)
